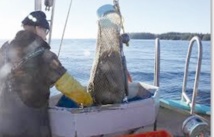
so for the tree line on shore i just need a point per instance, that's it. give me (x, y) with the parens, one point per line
(169, 36)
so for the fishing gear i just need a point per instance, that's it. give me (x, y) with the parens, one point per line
(108, 82)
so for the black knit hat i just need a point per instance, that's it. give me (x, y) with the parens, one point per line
(36, 18)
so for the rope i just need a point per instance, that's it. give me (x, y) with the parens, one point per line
(116, 3)
(64, 28)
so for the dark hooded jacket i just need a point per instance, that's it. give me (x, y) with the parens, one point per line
(27, 71)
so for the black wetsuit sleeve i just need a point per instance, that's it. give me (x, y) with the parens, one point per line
(54, 67)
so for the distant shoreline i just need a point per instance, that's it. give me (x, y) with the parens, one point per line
(169, 36)
(151, 36)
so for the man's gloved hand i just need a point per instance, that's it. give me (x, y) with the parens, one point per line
(73, 90)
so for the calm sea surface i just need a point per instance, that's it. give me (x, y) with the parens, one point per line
(77, 56)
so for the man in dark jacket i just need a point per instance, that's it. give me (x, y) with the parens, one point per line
(27, 71)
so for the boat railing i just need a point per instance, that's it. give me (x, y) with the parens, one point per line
(184, 96)
(156, 70)
(157, 62)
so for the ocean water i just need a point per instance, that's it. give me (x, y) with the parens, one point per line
(77, 56)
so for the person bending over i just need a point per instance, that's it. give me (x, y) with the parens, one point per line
(28, 69)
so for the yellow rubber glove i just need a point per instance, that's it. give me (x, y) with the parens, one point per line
(73, 90)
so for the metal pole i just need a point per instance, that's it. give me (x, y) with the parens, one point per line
(157, 62)
(51, 22)
(38, 4)
(157, 70)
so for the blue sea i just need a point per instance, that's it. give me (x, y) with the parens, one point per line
(77, 56)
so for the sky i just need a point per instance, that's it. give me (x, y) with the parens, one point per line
(154, 16)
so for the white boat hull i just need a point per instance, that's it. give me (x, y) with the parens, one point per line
(106, 119)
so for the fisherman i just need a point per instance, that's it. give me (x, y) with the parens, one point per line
(28, 69)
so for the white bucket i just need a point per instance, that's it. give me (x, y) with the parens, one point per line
(194, 126)
(105, 9)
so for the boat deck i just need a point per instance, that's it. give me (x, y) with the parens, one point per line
(168, 119)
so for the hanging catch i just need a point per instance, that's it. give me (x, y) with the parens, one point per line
(48, 4)
(107, 83)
